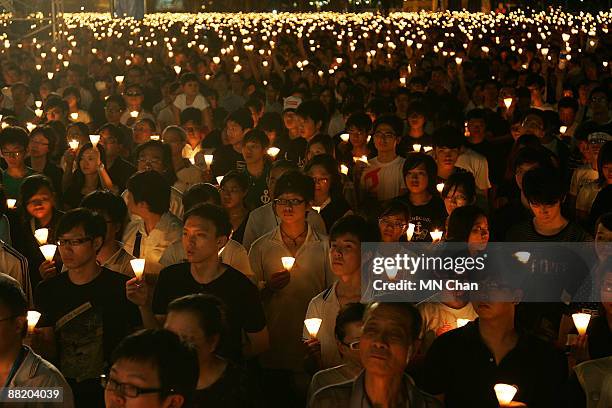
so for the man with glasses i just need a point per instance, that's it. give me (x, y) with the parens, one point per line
(347, 332)
(13, 145)
(85, 311)
(386, 346)
(345, 240)
(286, 294)
(152, 369)
(20, 367)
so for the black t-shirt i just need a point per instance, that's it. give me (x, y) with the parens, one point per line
(426, 218)
(243, 306)
(460, 366)
(120, 172)
(600, 338)
(89, 320)
(334, 211)
(257, 194)
(296, 150)
(225, 160)
(232, 389)
(526, 232)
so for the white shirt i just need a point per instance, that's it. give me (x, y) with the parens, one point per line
(385, 180)
(262, 220)
(233, 254)
(586, 195)
(120, 262)
(165, 118)
(190, 152)
(476, 164)
(187, 177)
(581, 176)
(168, 230)
(15, 265)
(176, 202)
(326, 307)
(438, 317)
(285, 310)
(199, 102)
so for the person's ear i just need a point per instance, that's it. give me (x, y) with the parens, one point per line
(97, 243)
(174, 401)
(21, 325)
(221, 242)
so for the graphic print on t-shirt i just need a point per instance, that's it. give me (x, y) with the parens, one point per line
(80, 334)
(372, 180)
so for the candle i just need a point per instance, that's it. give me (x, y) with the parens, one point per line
(94, 139)
(440, 187)
(119, 79)
(416, 147)
(33, 317)
(38, 104)
(10, 203)
(138, 267)
(74, 144)
(363, 159)
(505, 393)
(522, 256)
(154, 137)
(563, 129)
(30, 126)
(272, 152)
(436, 235)
(344, 137)
(458, 60)
(134, 114)
(219, 179)
(313, 325)
(410, 231)
(74, 116)
(391, 272)
(427, 149)
(48, 251)
(316, 208)
(344, 169)
(581, 321)
(508, 102)
(38, 112)
(42, 234)
(208, 159)
(462, 322)
(287, 262)
(177, 69)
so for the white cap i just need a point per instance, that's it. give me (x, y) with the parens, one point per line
(291, 102)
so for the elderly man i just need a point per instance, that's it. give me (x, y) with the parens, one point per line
(385, 348)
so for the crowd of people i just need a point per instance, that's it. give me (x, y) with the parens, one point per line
(216, 147)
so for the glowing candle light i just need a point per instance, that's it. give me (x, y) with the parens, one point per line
(344, 169)
(50, 75)
(507, 102)
(134, 114)
(33, 318)
(458, 60)
(10, 203)
(48, 251)
(38, 112)
(581, 321)
(427, 149)
(563, 129)
(505, 393)
(410, 231)
(42, 234)
(74, 144)
(344, 137)
(440, 187)
(138, 267)
(119, 79)
(94, 139)
(522, 256)
(272, 152)
(436, 235)
(287, 262)
(74, 116)
(177, 69)
(313, 325)
(316, 208)
(38, 104)
(462, 322)
(363, 159)
(416, 147)
(219, 179)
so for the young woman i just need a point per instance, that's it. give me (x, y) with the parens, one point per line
(72, 97)
(323, 169)
(459, 190)
(38, 210)
(588, 192)
(201, 320)
(469, 224)
(41, 147)
(89, 176)
(427, 210)
(234, 187)
(319, 144)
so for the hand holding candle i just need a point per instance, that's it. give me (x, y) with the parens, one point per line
(436, 235)
(138, 266)
(48, 251)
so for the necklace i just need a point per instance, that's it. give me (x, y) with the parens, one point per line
(294, 240)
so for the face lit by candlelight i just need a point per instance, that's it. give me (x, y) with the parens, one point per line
(479, 234)
(200, 240)
(345, 255)
(416, 179)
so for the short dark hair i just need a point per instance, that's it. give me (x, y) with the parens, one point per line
(115, 99)
(407, 309)
(567, 102)
(213, 213)
(465, 180)
(191, 114)
(543, 186)
(295, 182)
(209, 311)
(396, 207)
(242, 117)
(240, 178)
(605, 220)
(349, 313)
(604, 157)
(116, 133)
(56, 102)
(12, 296)
(331, 166)
(48, 133)
(448, 136)
(323, 140)
(14, 135)
(92, 223)
(106, 203)
(357, 226)
(359, 120)
(200, 193)
(461, 221)
(188, 77)
(530, 155)
(175, 360)
(415, 159)
(32, 184)
(392, 120)
(257, 136)
(169, 174)
(158, 198)
(478, 113)
(312, 109)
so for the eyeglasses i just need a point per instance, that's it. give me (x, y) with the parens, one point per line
(384, 222)
(126, 390)
(457, 199)
(384, 136)
(293, 202)
(133, 94)
(13, 155)
(480, 230)
(321, 180)
(73, 242)
(353, 345)
(599, 99)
